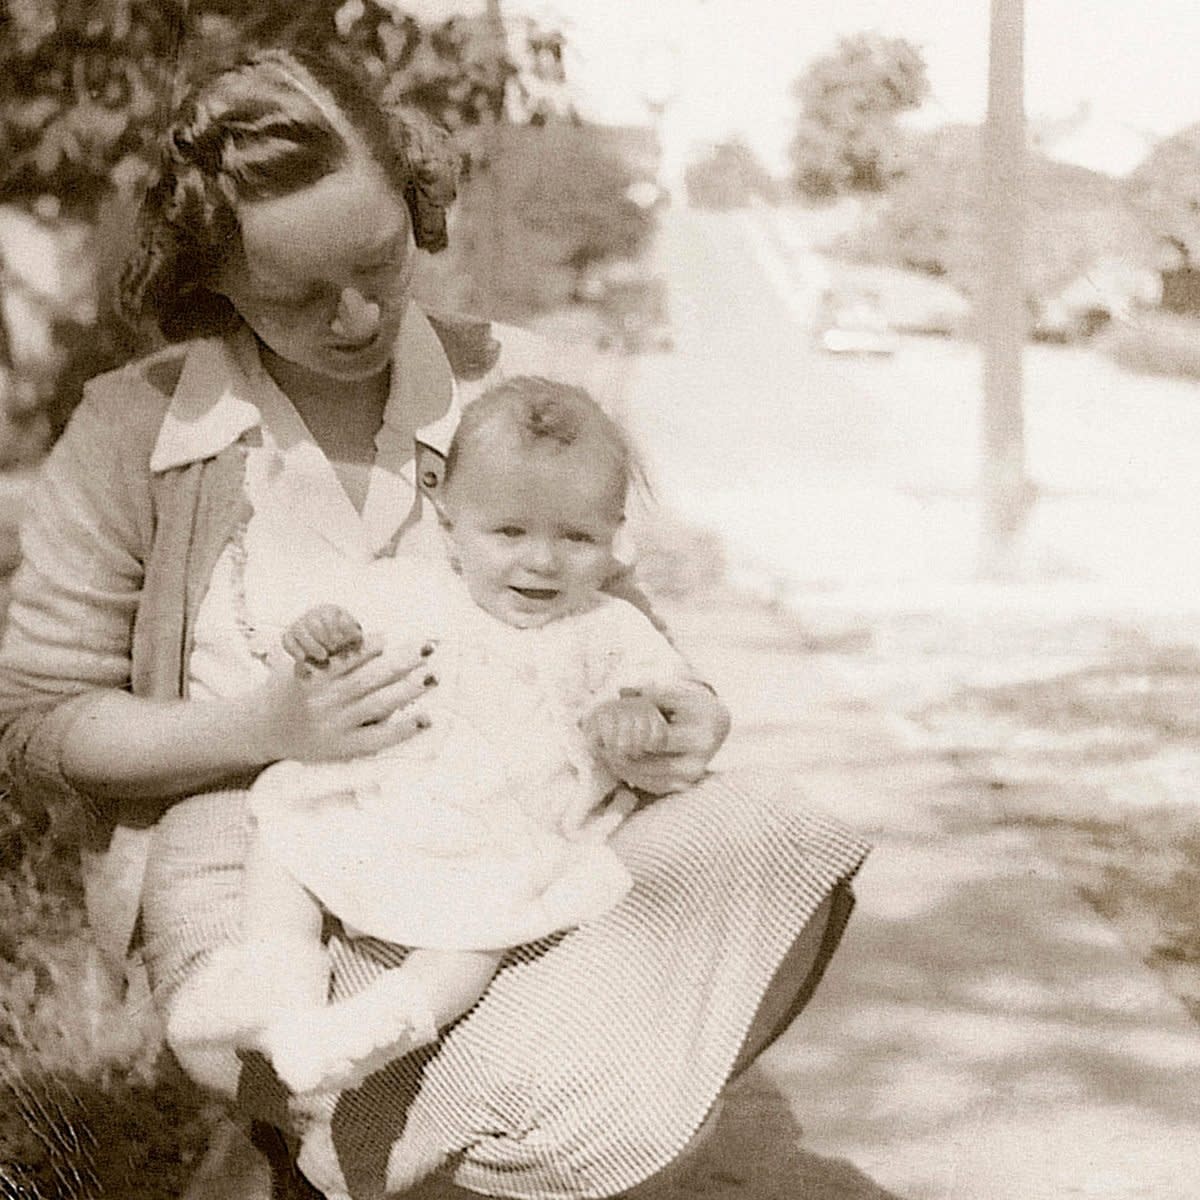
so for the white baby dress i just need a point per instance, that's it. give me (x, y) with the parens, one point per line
(490, 828)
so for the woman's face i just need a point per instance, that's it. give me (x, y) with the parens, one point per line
(323, 275)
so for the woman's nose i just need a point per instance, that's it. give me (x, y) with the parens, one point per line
(356, 319)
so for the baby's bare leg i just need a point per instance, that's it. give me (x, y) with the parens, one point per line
(277, 968)
(275, 907)
(452, 979)
(401, 1010)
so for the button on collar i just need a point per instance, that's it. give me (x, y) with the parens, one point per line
(430, 468)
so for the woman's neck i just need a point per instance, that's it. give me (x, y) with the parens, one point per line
(342, 415)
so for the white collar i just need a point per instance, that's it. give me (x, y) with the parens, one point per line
(214, 400)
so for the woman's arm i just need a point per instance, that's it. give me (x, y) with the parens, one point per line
(123, 746)
(72, 737)
(68, 630)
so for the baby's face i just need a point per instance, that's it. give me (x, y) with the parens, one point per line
(533, 533)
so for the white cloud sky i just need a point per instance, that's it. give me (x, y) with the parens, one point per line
(1135, 63)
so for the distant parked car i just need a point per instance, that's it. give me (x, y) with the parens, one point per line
(1111, 290)
(852, 321)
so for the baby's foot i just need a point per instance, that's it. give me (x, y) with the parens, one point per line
(340, 1045)
(221, 1004)
(318, 1161)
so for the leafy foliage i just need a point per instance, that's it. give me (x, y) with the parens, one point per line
(69, 1138)
(555, 201)
(847, 139)
(85, 84)
(81, 82)
(568, 185)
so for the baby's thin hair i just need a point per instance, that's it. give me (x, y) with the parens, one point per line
(547, 414)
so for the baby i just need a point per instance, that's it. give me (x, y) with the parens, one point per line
(490, 828)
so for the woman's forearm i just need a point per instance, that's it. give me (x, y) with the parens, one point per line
(132, 748)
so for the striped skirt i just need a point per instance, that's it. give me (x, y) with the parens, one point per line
(595, 1055)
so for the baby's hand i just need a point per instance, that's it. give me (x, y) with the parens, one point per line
(321, 633)
(625, 729)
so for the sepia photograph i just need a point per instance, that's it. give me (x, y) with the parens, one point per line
(740, 459)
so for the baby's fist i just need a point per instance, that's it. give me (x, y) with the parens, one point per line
(624, 729)
(322, 632)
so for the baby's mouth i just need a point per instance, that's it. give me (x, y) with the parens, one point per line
(536, 593)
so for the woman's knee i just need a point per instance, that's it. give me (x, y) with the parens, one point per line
(192, 892)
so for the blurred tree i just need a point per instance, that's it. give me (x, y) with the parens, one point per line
(80, 81)
(571, 205)
(729, 177)
(84, 84)
(847, 139)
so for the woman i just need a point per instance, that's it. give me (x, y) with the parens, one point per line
(277, 252)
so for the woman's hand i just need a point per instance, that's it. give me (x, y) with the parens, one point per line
(697, 725)
(347, 706)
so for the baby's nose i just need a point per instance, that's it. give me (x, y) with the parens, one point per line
(357, 318)
(540, 555)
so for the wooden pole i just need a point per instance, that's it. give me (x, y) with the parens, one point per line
(1002, 317)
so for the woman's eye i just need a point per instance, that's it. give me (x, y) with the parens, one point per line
(580, 536)
(510, 531)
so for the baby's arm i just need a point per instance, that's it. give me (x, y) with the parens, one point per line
(321, 633)
(663, 726)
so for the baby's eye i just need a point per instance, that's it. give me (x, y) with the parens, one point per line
(581, 536)
(510, 531)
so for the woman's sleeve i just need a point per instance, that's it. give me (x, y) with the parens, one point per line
(68, 631)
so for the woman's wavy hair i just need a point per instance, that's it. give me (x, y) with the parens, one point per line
(266, 126)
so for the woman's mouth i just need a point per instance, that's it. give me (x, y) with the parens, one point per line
(355, 347)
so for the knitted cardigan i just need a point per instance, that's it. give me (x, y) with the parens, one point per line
(115, 561)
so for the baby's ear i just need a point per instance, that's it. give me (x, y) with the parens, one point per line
(624, 549)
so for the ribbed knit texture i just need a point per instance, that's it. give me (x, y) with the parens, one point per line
(595, 1055)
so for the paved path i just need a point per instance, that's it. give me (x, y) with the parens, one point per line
(982, 1034)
